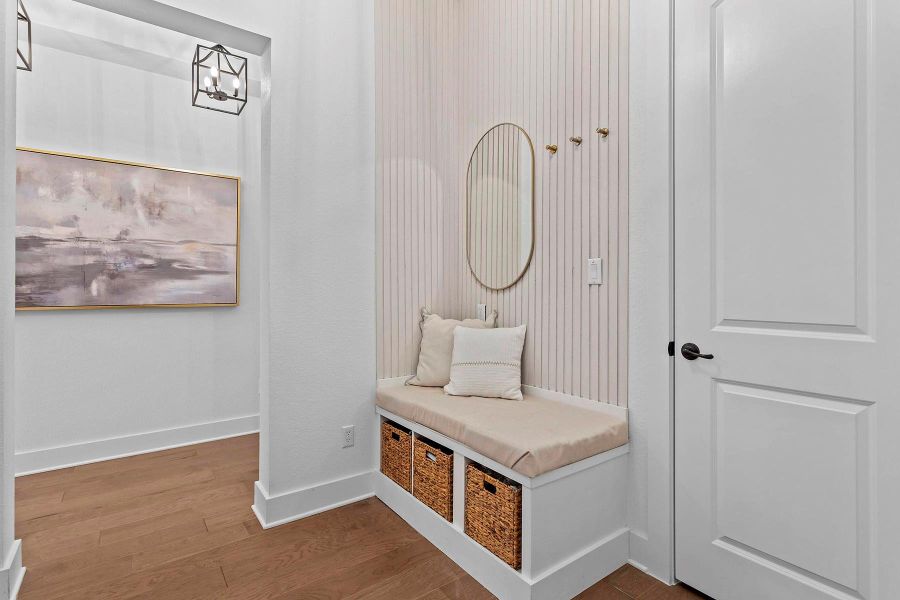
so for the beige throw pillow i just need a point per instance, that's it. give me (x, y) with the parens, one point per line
(437, 347)
(487, 363)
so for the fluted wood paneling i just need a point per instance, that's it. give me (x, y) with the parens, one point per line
(558, 69)
(417, 175)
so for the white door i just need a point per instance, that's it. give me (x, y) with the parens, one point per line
(787, 252)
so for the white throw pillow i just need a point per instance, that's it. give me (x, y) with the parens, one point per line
(436, 349)
(487, 362)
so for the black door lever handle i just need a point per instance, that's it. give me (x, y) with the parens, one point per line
(692, 352)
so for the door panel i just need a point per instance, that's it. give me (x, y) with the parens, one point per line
(788, 452)
(786, 199)
(783, 160)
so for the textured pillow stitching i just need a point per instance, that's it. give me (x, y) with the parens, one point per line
(475, 363)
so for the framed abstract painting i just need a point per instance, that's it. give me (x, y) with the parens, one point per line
(100, 233)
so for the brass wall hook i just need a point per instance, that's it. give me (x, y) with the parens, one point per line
(551, 148)
(603, 131)
(576, 139)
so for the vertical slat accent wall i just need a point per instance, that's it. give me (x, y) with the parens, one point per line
(417, 185)
(447, 71)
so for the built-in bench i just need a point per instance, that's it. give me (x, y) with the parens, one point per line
(568, 454)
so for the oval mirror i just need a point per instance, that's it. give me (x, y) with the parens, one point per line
(500, 206)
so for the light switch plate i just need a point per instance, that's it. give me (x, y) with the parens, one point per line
(482, 312)
(595, 271)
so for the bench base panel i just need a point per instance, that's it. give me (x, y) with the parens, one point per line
(565, 581)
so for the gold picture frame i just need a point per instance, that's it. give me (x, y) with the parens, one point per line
(237, 237)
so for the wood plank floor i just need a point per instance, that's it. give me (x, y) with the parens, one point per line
(177, 524)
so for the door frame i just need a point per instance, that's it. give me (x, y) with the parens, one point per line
(651, 382)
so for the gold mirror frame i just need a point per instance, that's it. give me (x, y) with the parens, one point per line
(469, 203)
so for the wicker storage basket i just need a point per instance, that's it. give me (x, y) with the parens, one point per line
(396, 454)
(494, 513)
(433, 476)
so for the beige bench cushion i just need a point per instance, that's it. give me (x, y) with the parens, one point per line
(531, 436)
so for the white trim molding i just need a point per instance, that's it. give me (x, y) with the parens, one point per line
(273, 510)
(637, 550)
(60, 457)
(651, 284)
(12, 572)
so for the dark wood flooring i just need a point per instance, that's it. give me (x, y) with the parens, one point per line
(177, 524)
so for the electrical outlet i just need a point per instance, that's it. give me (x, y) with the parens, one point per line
(482, 312)
(349, 435)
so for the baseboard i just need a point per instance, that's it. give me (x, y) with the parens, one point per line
(12, 572)
(639, 553)
(278, 509)
(637, 550)
(60, 457)
(589, 567)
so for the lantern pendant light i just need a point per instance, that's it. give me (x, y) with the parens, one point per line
(23, 46)
(219, 79)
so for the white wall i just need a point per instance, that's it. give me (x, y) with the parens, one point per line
(650, 508)
(322, 255)
(318, 171)
(88, 376)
